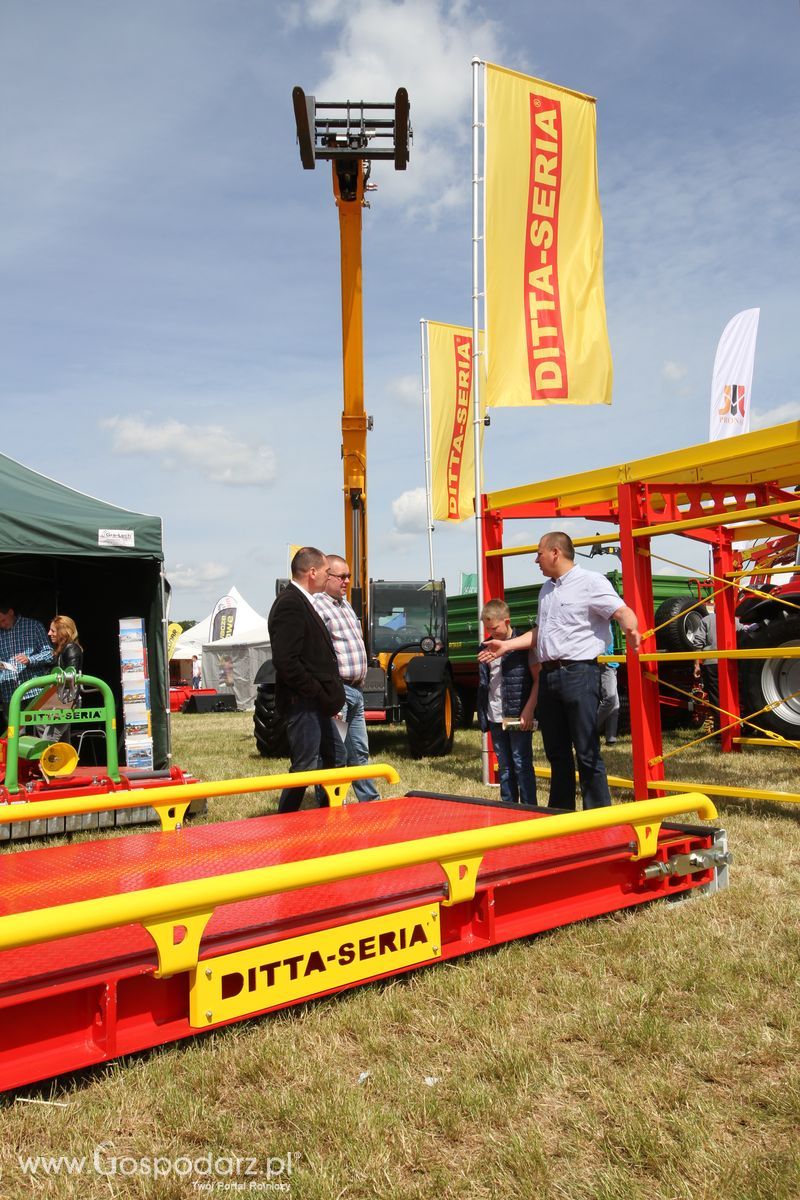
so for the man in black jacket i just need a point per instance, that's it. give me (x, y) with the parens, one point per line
(309, 691)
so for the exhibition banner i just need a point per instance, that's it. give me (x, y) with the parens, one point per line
(547, 340)
(450, 385)
(732, 379)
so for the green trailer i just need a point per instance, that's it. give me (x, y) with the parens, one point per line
(672, 596)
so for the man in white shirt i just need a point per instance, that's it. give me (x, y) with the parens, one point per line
(575, 607)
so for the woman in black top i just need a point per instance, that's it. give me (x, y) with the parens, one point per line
(67, 649)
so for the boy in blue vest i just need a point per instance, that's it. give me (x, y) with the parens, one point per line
(507, 691)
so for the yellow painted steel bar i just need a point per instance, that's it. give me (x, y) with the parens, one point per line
(188, 906)
(794, 569)
(725, 790)
(597, 540)
(723, 517)
(712, 789)
(689, 655)
(171, 802)
(776, 741)
(753, 533)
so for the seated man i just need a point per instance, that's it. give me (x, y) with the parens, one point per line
(25, 652)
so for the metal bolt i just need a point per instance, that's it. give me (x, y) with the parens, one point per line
(209, 1014)
(209, 972)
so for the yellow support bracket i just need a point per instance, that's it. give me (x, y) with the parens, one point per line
(646, 834)
(177, 941)
(336, 793)
(462, 877)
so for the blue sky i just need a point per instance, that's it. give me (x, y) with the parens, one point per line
(169, 312)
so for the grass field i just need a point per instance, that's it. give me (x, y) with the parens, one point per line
(652, 1054)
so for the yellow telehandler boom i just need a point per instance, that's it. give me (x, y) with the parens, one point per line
(351, 134)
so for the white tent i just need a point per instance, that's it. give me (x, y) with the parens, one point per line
(233, 642)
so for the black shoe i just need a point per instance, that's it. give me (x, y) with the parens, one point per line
(611, 741)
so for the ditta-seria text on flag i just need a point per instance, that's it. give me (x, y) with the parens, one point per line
(451, 389)
(546, 335)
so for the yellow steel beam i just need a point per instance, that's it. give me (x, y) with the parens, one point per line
(767, 455)
(754, 533)
(171, 802)
(176, 914)
(691, 655)
(587, 541)
(721, 517)
(794, 569)
(713, 789)
(778, 741)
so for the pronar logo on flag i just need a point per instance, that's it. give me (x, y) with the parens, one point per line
(116, 537)
(732, 401)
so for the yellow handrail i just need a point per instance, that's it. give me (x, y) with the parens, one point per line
(172, 801)
(175, 915)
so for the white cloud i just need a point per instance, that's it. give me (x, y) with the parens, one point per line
(425, 46)
(196, 576)
(410, 512)
(674, 372)
(406, 390)
(790, 411)
(208, 448)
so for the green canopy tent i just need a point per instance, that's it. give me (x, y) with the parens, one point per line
(64, 552)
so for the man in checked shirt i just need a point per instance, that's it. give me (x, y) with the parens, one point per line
(25, 652)
(351, 655)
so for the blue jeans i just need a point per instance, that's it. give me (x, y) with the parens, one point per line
(514, 751)
(312, 741)
(568, 701)
(356, 744)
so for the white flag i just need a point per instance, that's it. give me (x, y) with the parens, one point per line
(732, 382)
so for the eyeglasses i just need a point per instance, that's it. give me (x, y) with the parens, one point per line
(332, 576)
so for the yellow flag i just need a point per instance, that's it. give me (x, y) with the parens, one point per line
(450, 369)
(174, 631)
(547, 339)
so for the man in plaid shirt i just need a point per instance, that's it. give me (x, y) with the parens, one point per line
(351, 655)
(25, 652)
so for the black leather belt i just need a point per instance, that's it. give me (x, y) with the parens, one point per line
(555, 664)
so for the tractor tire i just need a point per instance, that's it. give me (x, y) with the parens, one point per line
(772, 680)
(465, 707)
(679, 635)
(269, 728)
(430, 712)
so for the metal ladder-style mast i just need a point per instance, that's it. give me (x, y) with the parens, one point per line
(351, 134)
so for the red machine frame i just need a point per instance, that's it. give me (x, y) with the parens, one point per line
(128, 981)
(706, 493)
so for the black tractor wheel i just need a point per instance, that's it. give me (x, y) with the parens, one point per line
(269, 727)
(772, 680)
(679, 635)
(465, 707)
(430, 718)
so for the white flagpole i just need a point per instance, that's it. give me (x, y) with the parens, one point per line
(477, 238)
(426, 434)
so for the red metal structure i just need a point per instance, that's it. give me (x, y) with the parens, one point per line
(110, 947)
(721, 494)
